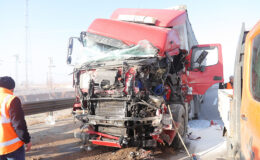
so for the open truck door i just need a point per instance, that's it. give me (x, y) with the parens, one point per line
(205, 67)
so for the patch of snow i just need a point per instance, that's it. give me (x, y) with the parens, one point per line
(217, 152)
(199, 124)
(210, 137)
(206, 140)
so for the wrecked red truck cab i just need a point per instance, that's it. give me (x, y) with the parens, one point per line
(128, 69)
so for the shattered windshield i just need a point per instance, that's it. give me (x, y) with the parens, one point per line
(99, 52)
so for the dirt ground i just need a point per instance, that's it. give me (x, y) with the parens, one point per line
(57, 142)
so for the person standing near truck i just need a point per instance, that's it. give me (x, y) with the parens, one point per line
(229, 85)
(13, 128)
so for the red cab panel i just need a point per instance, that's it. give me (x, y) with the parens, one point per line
(164, 39)
(205, 67)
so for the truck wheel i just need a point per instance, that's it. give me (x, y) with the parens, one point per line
(178, 113)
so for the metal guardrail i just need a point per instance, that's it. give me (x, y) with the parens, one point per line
(47, 106)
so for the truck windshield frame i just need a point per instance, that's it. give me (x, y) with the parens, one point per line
(97, 50)
(255, 69)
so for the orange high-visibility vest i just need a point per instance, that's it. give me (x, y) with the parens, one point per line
(9, 141)
(229, 86)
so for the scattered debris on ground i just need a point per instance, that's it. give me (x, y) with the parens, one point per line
(57, 142)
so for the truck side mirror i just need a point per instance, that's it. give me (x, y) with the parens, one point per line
(69, 60)
(70, 49)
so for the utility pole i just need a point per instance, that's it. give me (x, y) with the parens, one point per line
(51, 118)
(51, 65)
(26, 42)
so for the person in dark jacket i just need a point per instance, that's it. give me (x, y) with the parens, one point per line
(228, 85)
(13, 129)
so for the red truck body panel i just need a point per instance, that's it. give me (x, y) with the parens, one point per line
(131, 33)
(165, 17)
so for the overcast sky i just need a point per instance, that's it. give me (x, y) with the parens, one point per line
(51, 23)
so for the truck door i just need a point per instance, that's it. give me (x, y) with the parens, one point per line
(250, 105)
(205, 68)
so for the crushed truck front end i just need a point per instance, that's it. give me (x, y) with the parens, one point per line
(122, 95)
(130, 68)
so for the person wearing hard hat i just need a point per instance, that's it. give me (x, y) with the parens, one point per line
(229, 85)
(13, 128)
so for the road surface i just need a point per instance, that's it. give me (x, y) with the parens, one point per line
(57, 141)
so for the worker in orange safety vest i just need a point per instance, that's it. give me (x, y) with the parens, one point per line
(229, 85)
(13, 128)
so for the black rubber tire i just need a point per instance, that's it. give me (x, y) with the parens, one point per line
(178, 113)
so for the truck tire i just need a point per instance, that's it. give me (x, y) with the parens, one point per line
(178, 113)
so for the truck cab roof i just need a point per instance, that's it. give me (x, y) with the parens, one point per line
(163, 17)
(167, 29)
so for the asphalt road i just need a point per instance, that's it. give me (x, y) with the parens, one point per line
(209, 107)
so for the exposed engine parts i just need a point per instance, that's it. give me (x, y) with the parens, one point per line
(129, 102)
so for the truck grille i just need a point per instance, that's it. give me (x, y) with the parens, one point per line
(111, 108)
